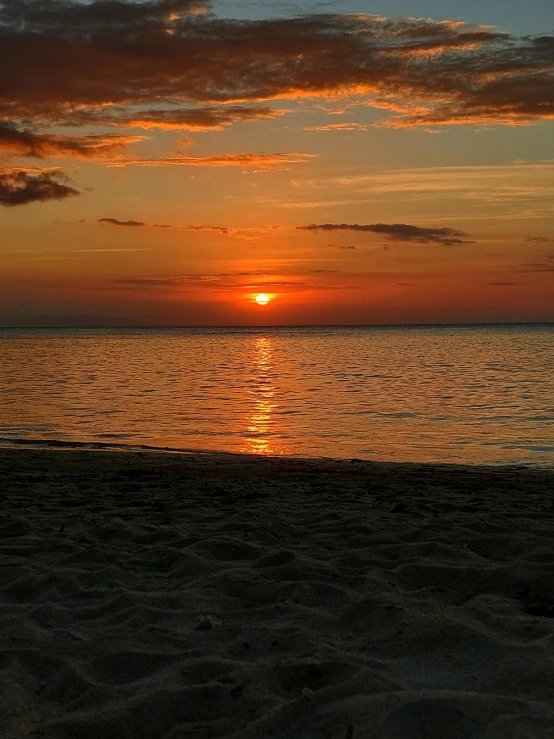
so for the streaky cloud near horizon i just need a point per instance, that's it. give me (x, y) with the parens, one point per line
(259, 161)
(247, 233)
(398, 232)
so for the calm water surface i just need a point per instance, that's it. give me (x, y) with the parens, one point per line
(437, 394)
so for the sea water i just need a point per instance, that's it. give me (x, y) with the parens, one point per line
(447, 394)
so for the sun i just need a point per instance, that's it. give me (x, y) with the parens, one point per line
(262, 299)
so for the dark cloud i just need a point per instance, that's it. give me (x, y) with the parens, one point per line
(116, 222)
(540, 239)
(206, 118)
(98, 17)
(545, 266)
(25, 142)
(109, 57)
(19, 186)
(398, 232)
(503, 284)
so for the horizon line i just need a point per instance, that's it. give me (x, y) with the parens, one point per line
(283, 326)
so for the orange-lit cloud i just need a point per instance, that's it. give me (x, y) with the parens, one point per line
(253, 280)
(103, 54)
(21, 186)
(246, 161)
(206, 118)
(24, 142)
(398, 232)
(249, 233)
(338, 127)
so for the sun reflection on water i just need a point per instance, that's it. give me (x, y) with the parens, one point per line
(260, 438)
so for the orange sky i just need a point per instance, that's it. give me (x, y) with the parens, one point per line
(171, 161)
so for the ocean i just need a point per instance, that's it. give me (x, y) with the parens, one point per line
(441, 394)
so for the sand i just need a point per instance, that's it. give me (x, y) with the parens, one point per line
(158, 595)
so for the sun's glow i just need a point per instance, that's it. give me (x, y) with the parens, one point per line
(262, 299)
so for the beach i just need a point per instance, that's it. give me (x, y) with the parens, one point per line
(147, 595)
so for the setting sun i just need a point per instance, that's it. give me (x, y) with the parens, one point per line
(262, 299)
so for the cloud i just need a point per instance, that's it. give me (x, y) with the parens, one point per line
(338, 127)
(256, 280)
(115, 57)
(503, 284)
(398, 232)
(206, 118)
(546, 266)
(247, 161)
(540, 239)
(20, 186)
(111, 17)
(116, 222)
(528, 189)
(248, 234)
(165, 281)
(24, 142)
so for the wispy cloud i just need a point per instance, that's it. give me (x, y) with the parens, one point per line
(254, 280)
(546, 265)
(338, 127)
(21, 186)
(246, 161)
(398, 232)
(249, 233)
(539, 239)
(166, 281)
(508, 191)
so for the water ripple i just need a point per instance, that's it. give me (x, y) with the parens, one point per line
(464, 395)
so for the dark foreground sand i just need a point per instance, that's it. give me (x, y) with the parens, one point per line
(155, 595)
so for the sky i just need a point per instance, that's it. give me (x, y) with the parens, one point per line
(163, 162)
